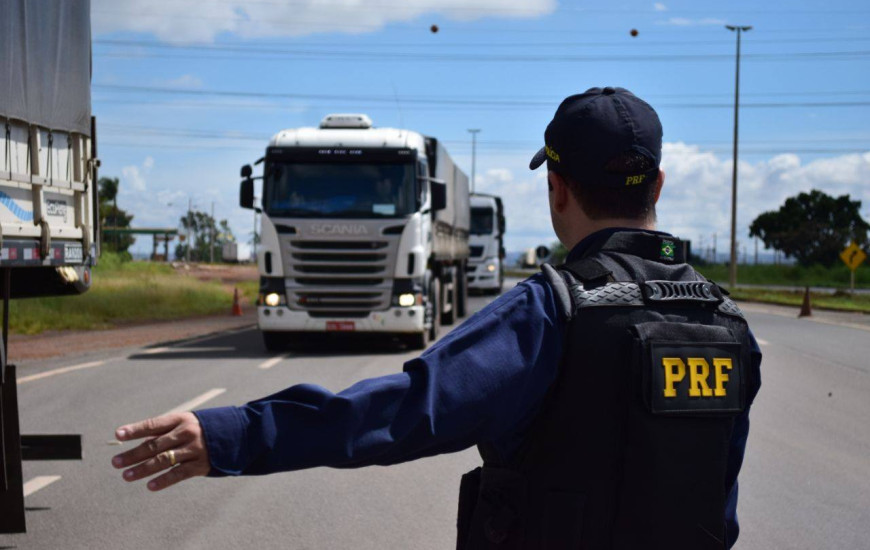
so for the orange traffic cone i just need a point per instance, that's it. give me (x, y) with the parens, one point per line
(237, 308)
(806, 309)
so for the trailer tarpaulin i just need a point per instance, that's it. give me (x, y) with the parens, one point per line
(45, 63)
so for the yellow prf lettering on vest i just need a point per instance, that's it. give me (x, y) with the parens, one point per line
(699, 371)
(635, 180)
(721, 377)
(675, 370)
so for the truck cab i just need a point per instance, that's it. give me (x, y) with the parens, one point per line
(363, 230)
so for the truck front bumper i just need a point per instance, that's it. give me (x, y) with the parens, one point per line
(480, 277)
(392, 320)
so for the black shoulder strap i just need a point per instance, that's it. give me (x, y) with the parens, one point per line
(561, 283)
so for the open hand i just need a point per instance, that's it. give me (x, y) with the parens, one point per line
(173, 441)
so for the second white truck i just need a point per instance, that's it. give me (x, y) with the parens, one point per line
(486, 260)
(363, 230)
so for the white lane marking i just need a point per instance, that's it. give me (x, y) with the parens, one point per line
(155, 351)
(273, 361)
(762, 342)
(197, 401)
(62, 370)
(37, 483)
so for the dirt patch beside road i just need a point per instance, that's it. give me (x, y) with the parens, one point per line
(75, 342)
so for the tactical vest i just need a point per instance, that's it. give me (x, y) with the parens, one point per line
(630, 447)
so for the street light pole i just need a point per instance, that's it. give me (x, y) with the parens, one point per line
(732, 265)
(473, 132)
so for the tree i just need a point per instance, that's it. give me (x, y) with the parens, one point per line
(112, 216)
(202, 229)
(812, 227)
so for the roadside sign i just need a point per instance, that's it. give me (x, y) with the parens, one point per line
(853, 256)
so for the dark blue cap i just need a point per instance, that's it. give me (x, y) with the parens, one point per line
(590, 129)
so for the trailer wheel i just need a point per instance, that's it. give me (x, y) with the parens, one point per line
(275, 341)
(462, 292)
(419, 340)
(435, 305)
(448, 291)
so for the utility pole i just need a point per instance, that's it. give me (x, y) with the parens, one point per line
(189, 224)
(732, 267)
(714, 248)
(756, 250)
(211, 236)
(473, 132)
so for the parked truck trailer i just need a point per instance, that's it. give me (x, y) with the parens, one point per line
(48, 197)
(363, 229)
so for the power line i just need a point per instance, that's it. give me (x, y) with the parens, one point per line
(278, 48)
(356, 55)
(493, 103)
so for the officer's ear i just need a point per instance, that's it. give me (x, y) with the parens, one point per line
(559, 192)
(660, 182)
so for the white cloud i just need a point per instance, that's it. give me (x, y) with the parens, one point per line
(658, 6)
(696, 201)
(189, 21)
(134, 176)
(686, 22)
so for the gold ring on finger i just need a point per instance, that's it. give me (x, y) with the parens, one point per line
(171, 454)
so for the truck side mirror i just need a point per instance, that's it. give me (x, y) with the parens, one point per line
(246, 193)
(247, 171)
(439, 194)
(501, 225)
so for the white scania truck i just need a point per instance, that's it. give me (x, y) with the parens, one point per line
(486, 260)
(363, 229)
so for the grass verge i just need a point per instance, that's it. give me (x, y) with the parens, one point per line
(122, 292)
(840, 301)
(789, 275)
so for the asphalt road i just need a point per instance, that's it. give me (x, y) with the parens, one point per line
(805, 482)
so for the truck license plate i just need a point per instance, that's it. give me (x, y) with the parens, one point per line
(72, 253)
(340, 326)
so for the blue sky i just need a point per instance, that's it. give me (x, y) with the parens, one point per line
(187, 91)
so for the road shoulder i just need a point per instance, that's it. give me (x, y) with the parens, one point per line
(856, 320)
(74, 343)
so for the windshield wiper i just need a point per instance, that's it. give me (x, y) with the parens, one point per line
(298, 212)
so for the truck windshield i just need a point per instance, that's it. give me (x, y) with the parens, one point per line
(346, 190)
(481, 221)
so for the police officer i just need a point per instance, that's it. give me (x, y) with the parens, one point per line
(609, 397)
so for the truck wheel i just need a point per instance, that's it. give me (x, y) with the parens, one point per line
(435, 303)
(462, 293)
(274, 341)
(419, 340)
(448, 291)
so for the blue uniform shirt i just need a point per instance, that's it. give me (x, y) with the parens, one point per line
(482, 382)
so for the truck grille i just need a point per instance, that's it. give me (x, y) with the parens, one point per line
(340, 278)
(475, 251)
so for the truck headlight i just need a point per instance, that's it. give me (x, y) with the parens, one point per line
(490, 267)
(272, 299)
(407, 300)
